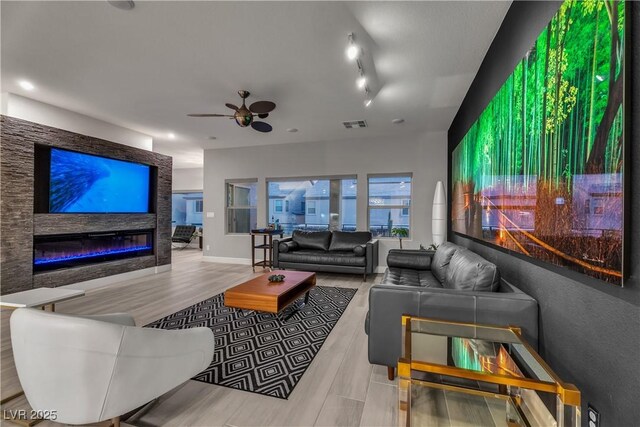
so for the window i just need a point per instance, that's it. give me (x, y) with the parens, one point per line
(309, 203)
(242, 199)
(389, 203)
(348, 204)
(405, 211)
(186, 209)
(311, 208)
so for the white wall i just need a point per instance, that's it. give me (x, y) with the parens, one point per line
(38, 112)
(423, 155)
(188, 179)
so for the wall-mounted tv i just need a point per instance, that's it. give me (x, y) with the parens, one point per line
(541, 171)
(85, 183)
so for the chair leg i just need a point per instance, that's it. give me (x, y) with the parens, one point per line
(364, 277)
(391, 373)
(115, 422)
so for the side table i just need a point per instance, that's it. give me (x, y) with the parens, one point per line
(266, 246)
(490, 372)
(39, 297)
(36, 298)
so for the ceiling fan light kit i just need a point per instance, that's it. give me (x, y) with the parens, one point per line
(245, 116)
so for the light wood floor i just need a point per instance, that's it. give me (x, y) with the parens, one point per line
(340, 388)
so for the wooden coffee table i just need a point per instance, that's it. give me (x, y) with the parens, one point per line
(258, 294)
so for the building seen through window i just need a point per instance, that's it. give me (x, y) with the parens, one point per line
(306, 204)
(389, 204)
(186, 209)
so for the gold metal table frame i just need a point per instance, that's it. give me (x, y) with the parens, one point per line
(567, 395)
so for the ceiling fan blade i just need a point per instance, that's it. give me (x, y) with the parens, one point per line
(261, 126)
(233, 107)
(263, 115)
(209, 115)
(262, 107)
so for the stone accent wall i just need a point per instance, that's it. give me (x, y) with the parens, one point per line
(16, 209)
(19, 223)
(50, 224)
(51, 279)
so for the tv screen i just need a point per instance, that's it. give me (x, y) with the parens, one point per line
(541, 171)
(83, 183)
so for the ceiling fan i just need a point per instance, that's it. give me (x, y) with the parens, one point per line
(244, 116)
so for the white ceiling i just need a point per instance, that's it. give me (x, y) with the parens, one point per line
(145, 69)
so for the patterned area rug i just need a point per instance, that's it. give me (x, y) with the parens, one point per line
(262, 353)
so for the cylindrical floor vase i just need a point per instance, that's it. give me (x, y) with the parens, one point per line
(439, 215)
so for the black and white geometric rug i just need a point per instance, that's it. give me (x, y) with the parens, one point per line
(261, 353)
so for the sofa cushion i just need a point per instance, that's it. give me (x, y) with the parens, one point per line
(410, 277)
(409, 258)
(287, 246)
(360, 250)
(441, 260)
(346, 241)
(306, 256)
(317, 240)
(468, 271)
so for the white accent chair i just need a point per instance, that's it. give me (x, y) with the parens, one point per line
(95, 368)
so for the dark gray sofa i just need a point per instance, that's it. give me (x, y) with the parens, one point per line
(451, 283)
(337, 252)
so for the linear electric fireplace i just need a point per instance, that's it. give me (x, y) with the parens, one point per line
(72, 250)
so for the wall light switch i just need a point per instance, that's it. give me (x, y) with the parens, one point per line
(211, 214)
(593, 416)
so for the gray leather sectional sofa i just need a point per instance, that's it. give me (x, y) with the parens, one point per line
(451, 283)
(337, 252)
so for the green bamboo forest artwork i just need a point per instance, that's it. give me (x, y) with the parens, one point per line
(540, 171)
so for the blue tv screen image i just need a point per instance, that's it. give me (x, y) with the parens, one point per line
(83, 183)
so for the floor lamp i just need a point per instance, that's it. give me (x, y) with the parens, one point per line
(439, 215)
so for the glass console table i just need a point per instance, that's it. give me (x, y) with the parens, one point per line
(478, 375)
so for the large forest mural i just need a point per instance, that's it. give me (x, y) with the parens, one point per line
(540, 171)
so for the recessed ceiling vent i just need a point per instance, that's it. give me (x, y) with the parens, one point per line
(355, 124)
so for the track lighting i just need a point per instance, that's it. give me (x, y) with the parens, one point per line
(358, 55)
(26, 85)
(353, 51)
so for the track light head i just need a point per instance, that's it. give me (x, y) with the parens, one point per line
(353, 50)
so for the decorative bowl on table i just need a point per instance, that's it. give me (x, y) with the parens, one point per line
(276, 278)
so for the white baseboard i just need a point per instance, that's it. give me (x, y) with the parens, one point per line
(226, 260)
(102, 282)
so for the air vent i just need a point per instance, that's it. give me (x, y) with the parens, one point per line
(354, 124)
